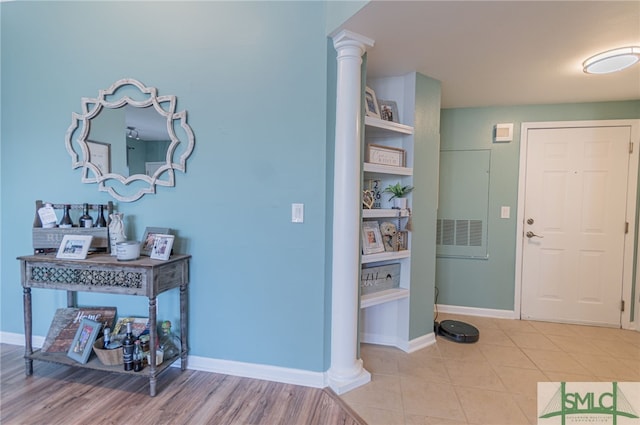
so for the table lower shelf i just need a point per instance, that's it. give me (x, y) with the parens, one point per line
(95, 363)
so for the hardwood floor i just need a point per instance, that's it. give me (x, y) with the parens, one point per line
(58, 394)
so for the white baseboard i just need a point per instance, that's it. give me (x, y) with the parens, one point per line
(246, 370)
(481, 312)
(409, 347)
(421, 342)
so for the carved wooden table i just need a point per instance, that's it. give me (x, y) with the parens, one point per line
(103, 273)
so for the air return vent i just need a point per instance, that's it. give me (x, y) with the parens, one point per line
(459, 232)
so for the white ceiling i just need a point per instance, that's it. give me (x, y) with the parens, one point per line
(489, 53)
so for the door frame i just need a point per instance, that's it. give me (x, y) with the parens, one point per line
(630, 259)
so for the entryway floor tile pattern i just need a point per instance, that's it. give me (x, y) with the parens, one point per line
(493, 381)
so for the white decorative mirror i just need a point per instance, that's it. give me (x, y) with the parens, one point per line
(126, 140)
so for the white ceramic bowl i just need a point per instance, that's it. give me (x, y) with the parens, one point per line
(127, 250)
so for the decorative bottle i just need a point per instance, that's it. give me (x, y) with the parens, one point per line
(169, 343)
(85, 218)
(106, 340)
(100, 221)
(66, 218)
(137, 356)
(127, 348)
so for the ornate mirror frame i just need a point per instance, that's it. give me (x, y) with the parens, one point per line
(113, 183)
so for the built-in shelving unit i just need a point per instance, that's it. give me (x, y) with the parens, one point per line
(384, 313)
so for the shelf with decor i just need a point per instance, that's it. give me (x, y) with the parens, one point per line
(385, 279)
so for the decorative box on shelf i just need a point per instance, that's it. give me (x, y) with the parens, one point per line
(47, 240)
(379, 278)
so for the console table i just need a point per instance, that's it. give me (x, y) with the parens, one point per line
(103, 273)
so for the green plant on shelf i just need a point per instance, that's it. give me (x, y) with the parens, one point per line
(398, 191)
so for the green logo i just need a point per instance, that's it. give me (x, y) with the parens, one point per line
(593, 401)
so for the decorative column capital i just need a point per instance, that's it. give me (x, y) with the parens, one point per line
(355, 44)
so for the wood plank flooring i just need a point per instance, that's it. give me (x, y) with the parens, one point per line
(58, 394)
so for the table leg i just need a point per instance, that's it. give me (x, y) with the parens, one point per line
(28, 349)
(152, 346)
(183, 326)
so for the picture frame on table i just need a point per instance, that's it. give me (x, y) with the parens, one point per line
(74, 247)
(149, 238)
(82, 343)
(162, 247)
(371, 103)
(388, 110)
(371, 238)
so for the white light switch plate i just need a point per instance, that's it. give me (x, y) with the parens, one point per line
(297, 213)
(505, 212)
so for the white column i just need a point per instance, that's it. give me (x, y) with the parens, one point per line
(346, 371)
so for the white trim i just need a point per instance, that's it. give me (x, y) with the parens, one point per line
(627, 283)
(480, 312)
(421, 342)
(227, 367)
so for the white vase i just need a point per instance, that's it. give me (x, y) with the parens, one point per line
(116, 231)
(400, 203)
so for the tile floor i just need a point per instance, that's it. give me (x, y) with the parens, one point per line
(493, 381)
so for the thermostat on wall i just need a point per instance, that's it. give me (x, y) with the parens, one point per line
(503, 132)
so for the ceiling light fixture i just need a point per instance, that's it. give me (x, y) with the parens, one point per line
(612, 60)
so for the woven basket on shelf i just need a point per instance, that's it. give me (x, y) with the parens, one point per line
(108, 357)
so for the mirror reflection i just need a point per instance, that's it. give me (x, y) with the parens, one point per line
(129, 140)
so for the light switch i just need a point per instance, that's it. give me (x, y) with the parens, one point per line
(505, 212)
(297, 213)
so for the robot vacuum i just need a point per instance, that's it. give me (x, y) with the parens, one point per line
(457, 331)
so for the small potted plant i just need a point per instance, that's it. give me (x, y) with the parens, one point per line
(398, 195)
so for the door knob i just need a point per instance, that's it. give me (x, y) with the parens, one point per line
(530, 235)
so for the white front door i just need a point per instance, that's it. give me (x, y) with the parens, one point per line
(574, 219)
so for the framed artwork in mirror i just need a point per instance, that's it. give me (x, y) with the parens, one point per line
(100, 155)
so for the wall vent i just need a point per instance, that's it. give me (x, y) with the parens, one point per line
(459, 232)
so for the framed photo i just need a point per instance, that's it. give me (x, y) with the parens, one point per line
(162, 245)
(371, 103)
(403, 240)
(371, 238)
(100, 155)
(74, 247)
(149, 238)
(385, 155)
(82, 343)
(389, 110)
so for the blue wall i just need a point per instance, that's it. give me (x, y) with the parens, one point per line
(491, 283)
(253, 78)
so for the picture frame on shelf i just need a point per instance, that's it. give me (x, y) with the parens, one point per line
(82, 343)
(371, 238)
(149, 238)
(367, 199)
(403, 240)
(385, 155)
(388, 110)
(371, 103)
(162, 245)
(374, 187)
(74, 247)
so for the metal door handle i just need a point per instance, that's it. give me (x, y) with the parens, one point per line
(530, 235)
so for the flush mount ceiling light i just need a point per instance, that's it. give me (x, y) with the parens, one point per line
(612, 60)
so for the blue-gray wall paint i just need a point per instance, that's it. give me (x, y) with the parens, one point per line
(490, 283)
(253, 78)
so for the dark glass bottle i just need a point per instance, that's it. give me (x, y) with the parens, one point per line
(66, 218)
(101, 222)
(137, 356)
(85, 218)
(127, 348)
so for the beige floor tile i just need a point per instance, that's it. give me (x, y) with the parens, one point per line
(431, 369)
(490, 407)
(575, 344)
(495, 336)
(516, 326)
(383, 392)
(506, 356)
(533, 340)
(375, 416)
(450, 350)
(560, 329)
(555, 361)
(380, 360)
(474, 374)
(529, 406)
(555, 376)
(430, 399)
(520, 381)
(605, 367)
(619, 349)
(429, 420)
